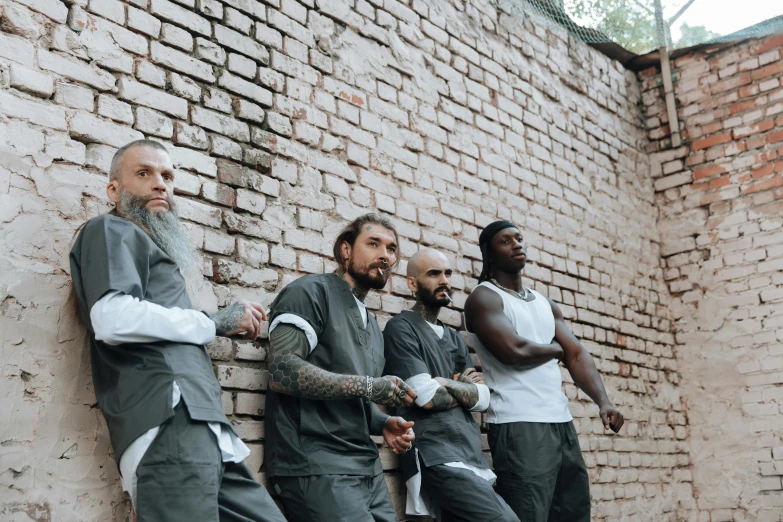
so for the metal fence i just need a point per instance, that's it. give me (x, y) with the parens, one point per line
(641, 26)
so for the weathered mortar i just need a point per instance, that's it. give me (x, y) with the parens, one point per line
(721, 203)
(286, 119)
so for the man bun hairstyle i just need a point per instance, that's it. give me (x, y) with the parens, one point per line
(353, 229)
(116, 160)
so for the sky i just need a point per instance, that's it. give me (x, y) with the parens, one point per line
(725, 16)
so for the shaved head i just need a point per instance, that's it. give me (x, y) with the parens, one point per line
(429, 277)
(422, 260)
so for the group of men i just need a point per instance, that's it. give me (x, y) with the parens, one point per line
(330, 366)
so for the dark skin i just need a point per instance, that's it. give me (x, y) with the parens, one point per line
(292, 374)
(429, 278)
(484, 317)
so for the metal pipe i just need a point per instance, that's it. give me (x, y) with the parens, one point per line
(671, 105)
(666, 73)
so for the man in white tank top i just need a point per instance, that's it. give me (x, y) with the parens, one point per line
(521, 337)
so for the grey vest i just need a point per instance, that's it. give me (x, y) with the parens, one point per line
(314, 437)
(412, 347)
(133, 382)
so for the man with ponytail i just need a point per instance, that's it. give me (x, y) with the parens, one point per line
(521, 338)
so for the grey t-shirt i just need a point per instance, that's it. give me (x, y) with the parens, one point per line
(413, 348)
(322, 437)
(133, 381)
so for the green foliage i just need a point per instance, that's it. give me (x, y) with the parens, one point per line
(626, 22)
(694, 34)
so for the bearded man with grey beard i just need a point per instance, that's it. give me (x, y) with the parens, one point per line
(178, 455)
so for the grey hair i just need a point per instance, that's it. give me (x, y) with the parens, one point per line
(116, 161)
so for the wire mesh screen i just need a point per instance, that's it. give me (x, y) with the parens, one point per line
(641, 26)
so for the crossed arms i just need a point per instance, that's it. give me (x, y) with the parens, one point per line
(484, 316)
(460, 391)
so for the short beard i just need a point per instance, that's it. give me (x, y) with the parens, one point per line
(368, 279)
(164, 228)
(427, 297)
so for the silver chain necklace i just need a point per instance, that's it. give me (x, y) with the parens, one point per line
(510, 291)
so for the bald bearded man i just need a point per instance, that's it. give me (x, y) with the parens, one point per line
(446, 474)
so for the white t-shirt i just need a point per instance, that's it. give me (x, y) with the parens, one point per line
(524, 393)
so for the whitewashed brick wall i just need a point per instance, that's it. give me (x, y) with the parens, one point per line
(721, 201)
(285, 119)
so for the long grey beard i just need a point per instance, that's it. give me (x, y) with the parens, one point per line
(164, 228)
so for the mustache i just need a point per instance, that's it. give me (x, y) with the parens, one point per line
(380, 267)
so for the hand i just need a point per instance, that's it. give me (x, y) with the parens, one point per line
(561, 353)
(470, 376)
(387, 390)
(240, 318)
(611, 418)
(398, 434)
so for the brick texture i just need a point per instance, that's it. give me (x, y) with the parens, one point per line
(721, 230)
(287, 118)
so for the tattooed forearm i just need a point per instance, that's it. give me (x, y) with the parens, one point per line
(442, 400)
(292, 375)
(229, 318)
(466, 395)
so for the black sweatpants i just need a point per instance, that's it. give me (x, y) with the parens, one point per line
(181, 478)
(541, 472)
(336, 498)
(463, 496)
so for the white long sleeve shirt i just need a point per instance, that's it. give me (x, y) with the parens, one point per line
(119, 318)
(426, 387)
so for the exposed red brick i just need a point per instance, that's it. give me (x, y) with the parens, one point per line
(707, 172)
(731, 83)
(761, 126)
(695, 158)
(774, 137)
(766, 45)
(745, 105)
(762, 171)
(712, 128)
(767, 155)
(717, 139)
(758, 186)
(769, 70)
(749, 90)
(720, 182)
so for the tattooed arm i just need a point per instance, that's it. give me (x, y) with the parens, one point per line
(442, 400)
(241, 317)
(292, 375)
(465, 393)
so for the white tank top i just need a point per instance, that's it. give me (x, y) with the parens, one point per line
(520, 393)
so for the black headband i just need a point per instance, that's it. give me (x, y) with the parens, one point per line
(486, 236)
(492, 229)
